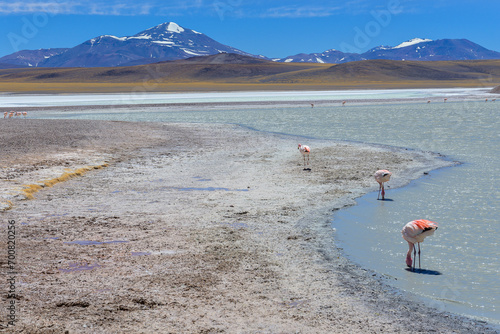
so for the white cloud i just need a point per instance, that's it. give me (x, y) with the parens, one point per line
(95, 7)
(22, 7)
(300, 11)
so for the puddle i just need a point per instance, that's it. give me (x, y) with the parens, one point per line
(164, 252)
(77, 267)
(90, 242)
(296, 303)
(140, 253)
(206, 189)
(161, 252)
(239, 225)
(201, 179)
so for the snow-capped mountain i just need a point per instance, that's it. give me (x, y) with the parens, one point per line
(167, 41)
(30, 58)
(426, 49)
(330, 56)
(414, 49)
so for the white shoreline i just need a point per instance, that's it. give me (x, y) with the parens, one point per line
(249, 97)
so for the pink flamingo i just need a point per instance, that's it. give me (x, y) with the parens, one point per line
(415, 232)
(11, 114)
(25, 114)
(304, 150)
(5, 114)
(445, 99)
(382, 176)
(343, 103)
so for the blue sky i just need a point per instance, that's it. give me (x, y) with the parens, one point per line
(273, 28)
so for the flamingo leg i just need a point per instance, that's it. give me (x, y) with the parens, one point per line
(408, 255)
(383, 191)
(414, 257)
(308, 160)
(379, 188)
(419, 255)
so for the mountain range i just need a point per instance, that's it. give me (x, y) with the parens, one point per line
(414, 49)
(169, 41)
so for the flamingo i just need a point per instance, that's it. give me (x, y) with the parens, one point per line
(429, 101)
(25, 114)
(343, 103)
(415, 232)
(382, 176)
(11, 114)
(493, 100)
(312, 105)
(486, 100)
(304, 150)
(5, 114)
(445, 99)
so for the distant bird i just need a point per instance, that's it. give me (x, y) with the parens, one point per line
(429, 101)
(11, 114)
(312, 105)
(5, 114)
(445, 99)
(415, 232)
(382, 176)
(493, 100)
(25, 114)
(486, 100)
(343, 103)
(304, 150)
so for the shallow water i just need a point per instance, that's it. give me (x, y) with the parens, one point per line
(18, 100)
(460, 261)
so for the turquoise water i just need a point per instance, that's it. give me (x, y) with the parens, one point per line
(462, 258)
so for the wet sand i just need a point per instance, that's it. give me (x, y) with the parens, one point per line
(195, 228)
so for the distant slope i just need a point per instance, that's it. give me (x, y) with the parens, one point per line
(30, 58)
(167, 41)
(207, 68)
(234, 71)
(415, 49)
(330, 56)
(496, 90)
(392, 70)
(442, 49)
(6, 65)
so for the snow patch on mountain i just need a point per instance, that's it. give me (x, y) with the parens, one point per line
(174, 27)
(412, 42)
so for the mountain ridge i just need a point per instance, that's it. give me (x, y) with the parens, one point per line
(169, 41)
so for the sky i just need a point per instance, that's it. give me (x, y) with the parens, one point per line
(273, 28)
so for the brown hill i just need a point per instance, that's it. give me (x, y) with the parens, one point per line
(234, 72)
(216, 67)
(395, 70)
(496, 90)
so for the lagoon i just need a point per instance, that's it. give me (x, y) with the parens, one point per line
(461, 259)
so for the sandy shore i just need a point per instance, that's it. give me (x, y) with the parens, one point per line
(191, 228)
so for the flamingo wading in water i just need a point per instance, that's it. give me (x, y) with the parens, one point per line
(304, 150)
(382, 176)
(414, 233)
